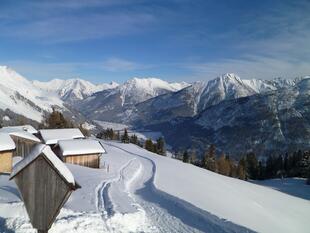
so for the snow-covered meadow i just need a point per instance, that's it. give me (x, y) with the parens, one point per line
(138, 191)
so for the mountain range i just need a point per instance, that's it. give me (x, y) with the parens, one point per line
(237, 115)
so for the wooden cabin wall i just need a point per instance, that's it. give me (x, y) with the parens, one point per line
(89, 160)
(41, 186)
(6, 161)
(23, 146)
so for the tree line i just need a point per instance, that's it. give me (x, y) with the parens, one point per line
(296, 164)
(157, 147)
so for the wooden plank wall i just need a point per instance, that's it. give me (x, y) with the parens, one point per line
(23, 146)
(43, 192)
(89, 160)
(6, 161)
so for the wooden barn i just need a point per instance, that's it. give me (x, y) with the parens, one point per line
(52, 136)
(45, 184)
(85, 152)
(7, 147)
(24, 140)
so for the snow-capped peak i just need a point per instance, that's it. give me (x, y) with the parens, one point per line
(137, 90)
(73, 89)
(151, 84)
(20, 95)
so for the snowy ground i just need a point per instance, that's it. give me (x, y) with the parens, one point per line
(138, 191)
(294, 186)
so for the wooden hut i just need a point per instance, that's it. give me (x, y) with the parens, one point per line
(45, 184)
(52, 136)
(23, 138)
(85, 152)
(7, 146)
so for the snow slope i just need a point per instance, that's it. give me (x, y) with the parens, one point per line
(138, 191)
(22, 97)
(73, 88)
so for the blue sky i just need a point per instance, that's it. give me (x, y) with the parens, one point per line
(175, 40)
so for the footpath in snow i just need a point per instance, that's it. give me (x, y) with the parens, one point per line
(138, 191)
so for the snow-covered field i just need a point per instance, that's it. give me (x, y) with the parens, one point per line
(293, 186)
(138, 191)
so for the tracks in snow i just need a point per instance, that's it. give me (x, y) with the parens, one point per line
(105, 203)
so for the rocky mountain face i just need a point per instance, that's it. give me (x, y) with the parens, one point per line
(237, 115)
(118, 104)
(269, 123)
(194, 99)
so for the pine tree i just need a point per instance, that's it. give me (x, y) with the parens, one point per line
(134, 139)
(261, 171)
(56, 120)
(252, 166)
(160, 144)
(185, 157)
(148, 145)
(303, 165)
(125, 137)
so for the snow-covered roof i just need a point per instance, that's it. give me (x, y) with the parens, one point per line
(52, 136)
(80, 147)
(27, 128)
(6, 142)
(44, 150)
(18, 132)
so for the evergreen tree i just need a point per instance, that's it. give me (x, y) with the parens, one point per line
(134, 139)
(303, 165)
(125, 137)
(185, 157)
(261, 171)
(56, 120)
(252, 166)
(160, 144)
(148, 145)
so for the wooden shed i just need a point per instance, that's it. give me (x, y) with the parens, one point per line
(52, 136)
(24, 140)
(84, 152)
(45, 184)
(7, 147)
